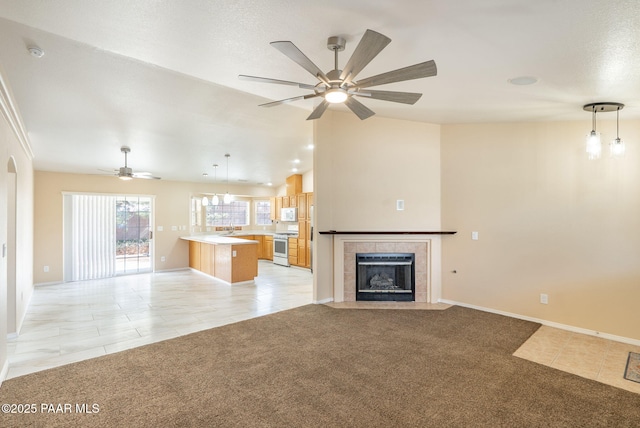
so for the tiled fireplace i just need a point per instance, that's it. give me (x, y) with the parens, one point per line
(349, 249)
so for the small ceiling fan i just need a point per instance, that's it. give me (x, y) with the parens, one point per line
(340, 86)
(126, 173)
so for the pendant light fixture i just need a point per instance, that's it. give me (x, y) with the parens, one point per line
(593, 142)
(616, 147)
(215, 200)
(227, 197)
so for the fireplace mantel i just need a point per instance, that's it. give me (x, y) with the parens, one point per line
(378, 232)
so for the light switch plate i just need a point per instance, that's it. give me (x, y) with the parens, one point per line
(474, 236)
(400, 205)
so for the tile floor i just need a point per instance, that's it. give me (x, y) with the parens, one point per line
(70, 322)
(587, 356)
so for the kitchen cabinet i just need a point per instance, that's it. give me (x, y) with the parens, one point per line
(194, 255)
(267, 247)
(229, 259)
(260, 239)
(294, 184)
(285, 202)
(293, 251)
(293, 201)
(278, 207)
(302, 206)
(309, 205)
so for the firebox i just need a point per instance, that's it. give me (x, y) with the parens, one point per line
(385, 276)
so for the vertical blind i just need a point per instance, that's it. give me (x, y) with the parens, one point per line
(93, 236)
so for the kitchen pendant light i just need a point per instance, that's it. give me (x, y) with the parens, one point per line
(616, 147)
(593, 141)
(215, 200)
(227, 197)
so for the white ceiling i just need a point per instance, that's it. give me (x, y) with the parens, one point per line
(161, 76)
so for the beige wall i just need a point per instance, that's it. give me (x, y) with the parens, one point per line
(549, 221)
(172, 201)
(360, 169)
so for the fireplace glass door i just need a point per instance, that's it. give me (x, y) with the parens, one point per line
(385, 276)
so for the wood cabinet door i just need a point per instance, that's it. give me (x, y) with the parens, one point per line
(194, 255)
(302, 206)
(285, 201)
(309, 205)
(293, 201)
(278, 207)
(302, 252)
(268, 248)
(260, 240)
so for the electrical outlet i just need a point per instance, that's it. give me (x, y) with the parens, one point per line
(234, 253)
(46, 269)
(544, 298)
(163, 259)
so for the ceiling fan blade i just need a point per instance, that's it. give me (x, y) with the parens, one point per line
(317, 112)
(290, 50)
(146, 176)
(370, 45)
(279, 82)
(288, 100)
(111, 171)
(358, 108)
(396, 97)
(416, 71)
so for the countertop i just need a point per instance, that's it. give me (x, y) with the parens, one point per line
(220, 239)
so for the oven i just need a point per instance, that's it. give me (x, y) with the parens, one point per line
(281, 249)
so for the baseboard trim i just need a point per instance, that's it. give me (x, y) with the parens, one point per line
(44, 284)
(323, 301)
(548, 323)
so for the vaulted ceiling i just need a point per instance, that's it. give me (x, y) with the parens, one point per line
(162, 76)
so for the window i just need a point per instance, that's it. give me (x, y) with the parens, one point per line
(235, 213)
(196, 212)
(263, 213)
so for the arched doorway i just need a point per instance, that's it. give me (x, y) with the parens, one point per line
(12, 191)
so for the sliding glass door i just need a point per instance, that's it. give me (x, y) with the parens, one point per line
(133, 234)
(107, 235)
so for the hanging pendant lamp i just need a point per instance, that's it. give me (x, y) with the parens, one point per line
(616, 147)
(593, 142)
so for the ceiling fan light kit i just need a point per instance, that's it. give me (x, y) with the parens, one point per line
(340, 86)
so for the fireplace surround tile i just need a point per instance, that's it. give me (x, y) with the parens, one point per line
(420, 249)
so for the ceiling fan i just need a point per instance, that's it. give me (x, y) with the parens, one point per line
(340, 86)
(126, 173)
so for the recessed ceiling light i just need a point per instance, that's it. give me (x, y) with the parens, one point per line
(523, 80)
(296, 161)
(269, 184)
(294, 169)
(310, 146)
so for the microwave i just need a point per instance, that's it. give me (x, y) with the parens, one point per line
(289, 214)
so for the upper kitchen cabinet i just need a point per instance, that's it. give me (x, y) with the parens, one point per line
(302, 206)
(294, 184)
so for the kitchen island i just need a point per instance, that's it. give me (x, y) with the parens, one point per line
(232, 260)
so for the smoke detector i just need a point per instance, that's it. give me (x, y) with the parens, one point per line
(36, 51)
